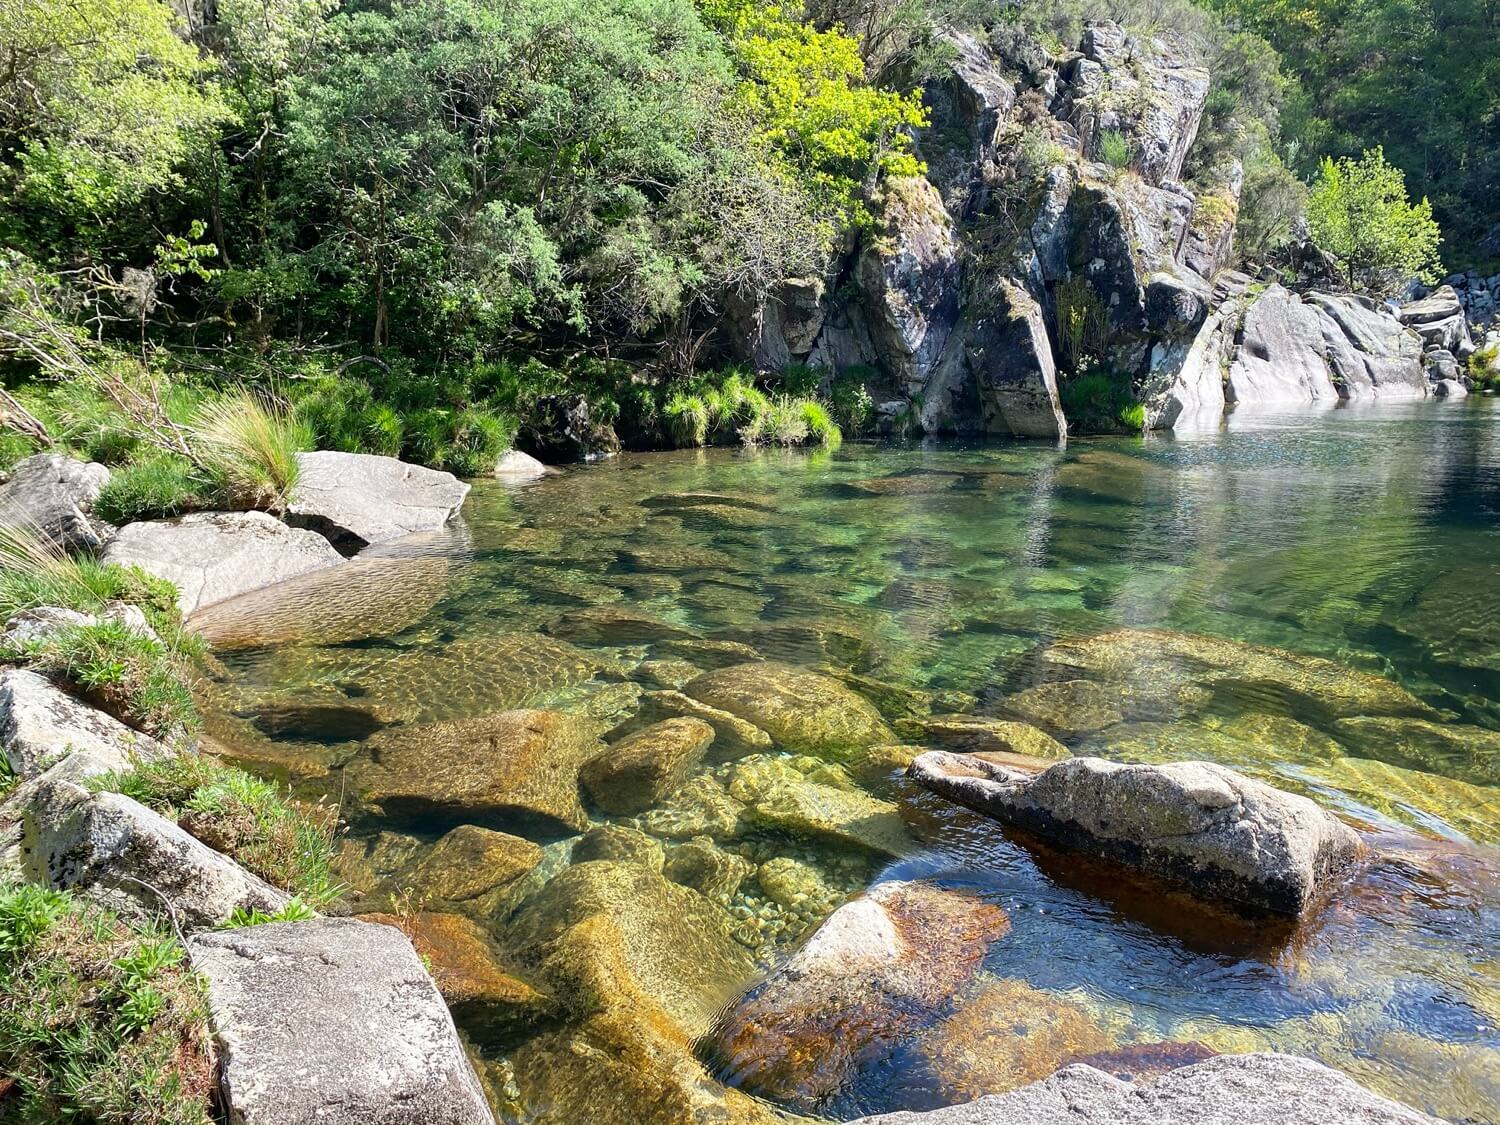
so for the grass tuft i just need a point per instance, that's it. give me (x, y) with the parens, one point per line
(249, 444)
(156, 488)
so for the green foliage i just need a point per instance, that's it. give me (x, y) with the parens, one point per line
(821, 427)
(35, 572)
(852, 407)
(294, 911)
(1359, 212)
(141, 680)
(1114, 149)
(99, 102)
(342, 414)
(1100, 402)
(1484, 367)
(99, 1021)
(154, 488)
(687, 418)
(290, 845)
(1082, 322)
(249, 444)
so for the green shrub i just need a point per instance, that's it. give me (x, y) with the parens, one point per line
(1098, 402)
(141, 680)
(249, 445)
(1484, 367)
(99, 1021)
(688, 417)
(852, 406)
(288, 845)
(478, 437)
(820, 424)
(1114, 149)
(342, 414)
(801, 381)
(155, 488)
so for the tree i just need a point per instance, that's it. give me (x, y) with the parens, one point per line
(99, 101)
(1359, 212)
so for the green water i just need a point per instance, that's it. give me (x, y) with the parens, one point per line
(935, 577)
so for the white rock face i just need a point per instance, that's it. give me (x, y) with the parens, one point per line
(212, 556)
(356, 499)
(40, 724)
(517, 466)
(1197, 823)
(333, 1022)
(1259, 1089)
(52, 494)
(136, 860)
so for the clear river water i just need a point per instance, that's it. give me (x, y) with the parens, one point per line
(932, 578)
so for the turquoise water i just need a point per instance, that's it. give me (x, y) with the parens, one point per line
(934, 577)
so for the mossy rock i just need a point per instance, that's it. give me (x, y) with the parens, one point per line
(800, 710)
(643, 768)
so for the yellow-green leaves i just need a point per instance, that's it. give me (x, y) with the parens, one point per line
(1358, 211)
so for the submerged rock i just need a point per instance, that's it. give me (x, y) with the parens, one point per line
(643, 768)
(702, 807)
(619, 842)
(613, 625)
(801, 710)
(876, 970)
(733, 736)
(517, 766)
(213, 556)
(979, 732)
(356, 499)
(1067, 707)
(603, 930)
(1457, 750)
(487, 999)
(1203, 825)
(708, 869)
(1007, 1035)
(345, 1007)
(776, 795)
(1265, 1089)
(53, 496)
(472, 867)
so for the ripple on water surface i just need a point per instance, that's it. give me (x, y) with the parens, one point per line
(1314, 601)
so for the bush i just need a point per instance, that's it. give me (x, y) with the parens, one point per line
(342, 414)
(99, 1021)
(1097, 402)
(156, 488)
(852, 406)
(687, 418)
(477, 439)
(1114, 150)
(288, 845)
(139, 679)
(1484, 367)
(249, 445)
(820, 425)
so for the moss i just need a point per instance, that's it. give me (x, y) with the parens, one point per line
(99, 1020)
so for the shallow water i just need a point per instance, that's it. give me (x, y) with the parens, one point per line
(1368, 537)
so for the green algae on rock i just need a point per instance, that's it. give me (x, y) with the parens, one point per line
(777, 795)
(1457, 750)
(977, 732)
(801, 710)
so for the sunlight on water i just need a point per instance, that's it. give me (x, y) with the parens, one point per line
(991, 579)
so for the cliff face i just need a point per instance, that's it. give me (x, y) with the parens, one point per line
(1052, 239)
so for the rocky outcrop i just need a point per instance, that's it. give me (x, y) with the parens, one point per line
(1195, 823)
(1265, 1089)
(1440, 320)
(40, 724)
(213, 556)
(515, 466)
(122, 853)
(562, 428)
(53, 495)
(878, 968)
(333, 1022)
(356, 499)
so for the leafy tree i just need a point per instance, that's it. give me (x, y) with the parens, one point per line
(99, 102)
(1359, 212)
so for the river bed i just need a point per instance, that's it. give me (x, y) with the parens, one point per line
(925, 580)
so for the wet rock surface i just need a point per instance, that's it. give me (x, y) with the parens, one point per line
(800, 710)
(53, 496)
(643, 768)
(1219, 832)
(876, 970)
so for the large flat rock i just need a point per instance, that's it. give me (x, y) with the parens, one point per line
(1214, 830)
(211, 556)
(40, 724)
(356, 499)
(1259, 1089)
(52, 494)
(333, 1022)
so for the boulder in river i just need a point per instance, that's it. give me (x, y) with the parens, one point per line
(471, 868)
(1216, 831)
(876, 970)
(800, 710)
(53, 495)
(601, 929)
(980, 732)
(211, 556)
(356, 499)
(1257, 1089)
(643, 768)
(615, 625)
(333, 1022)
(777, 795)
(515, 767)
(733, 736)
(1457, 750)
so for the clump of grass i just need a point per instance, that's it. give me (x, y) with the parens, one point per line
(1114, 149)
(249, 445)
(36, 571)
(342, 414)
(820, 424)
(467, 442)
(99, 1021)
(140, 679)
(687, 418)
(289, 845)
(156, 488)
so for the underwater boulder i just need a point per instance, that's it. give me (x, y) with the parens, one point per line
(980, 732)
(801, 710)
(643, 768)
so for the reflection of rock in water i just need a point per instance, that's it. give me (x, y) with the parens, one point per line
(377, 594)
